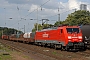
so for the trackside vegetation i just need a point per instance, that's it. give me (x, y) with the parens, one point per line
(80, 17)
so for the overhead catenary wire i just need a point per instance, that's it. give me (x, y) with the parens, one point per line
(24, 4)
(33, 10)
(57, 13)
(30, 12)
(37, 8)
(62, 12)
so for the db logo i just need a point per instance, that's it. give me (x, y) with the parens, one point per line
(45, 35)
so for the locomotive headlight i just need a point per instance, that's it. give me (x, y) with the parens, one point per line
(80, 40)
(80, 37)
(69, 40)
(86, 42)
(69, 37)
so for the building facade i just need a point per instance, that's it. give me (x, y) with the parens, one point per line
(83, 7)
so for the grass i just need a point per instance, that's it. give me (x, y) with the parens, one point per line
(54, 52)
(7, 54)
(4, 53)
(5, 57)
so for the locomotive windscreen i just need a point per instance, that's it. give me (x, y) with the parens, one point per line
(71, 30)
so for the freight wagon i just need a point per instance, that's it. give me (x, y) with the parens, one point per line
(25, 38)
(5, 37)
(63, 37)
(28, 37)
(86, 34)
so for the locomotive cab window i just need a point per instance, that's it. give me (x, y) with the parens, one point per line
(72, 30)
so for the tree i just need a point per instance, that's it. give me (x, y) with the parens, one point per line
(57, 23)
(35, 27)
(8, 31)
(40, 27)
(78, 17)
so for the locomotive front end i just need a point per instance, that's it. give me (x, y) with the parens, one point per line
(74, 38)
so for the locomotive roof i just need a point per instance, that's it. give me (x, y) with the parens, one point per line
(53, 28)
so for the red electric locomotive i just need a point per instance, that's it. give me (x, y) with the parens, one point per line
(63, 37)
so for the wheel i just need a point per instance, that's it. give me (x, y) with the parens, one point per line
(63, 48)
(55, 47)
(66, 48)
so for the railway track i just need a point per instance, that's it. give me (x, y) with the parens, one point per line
(42, 53)
(86, 53)
(21, 48)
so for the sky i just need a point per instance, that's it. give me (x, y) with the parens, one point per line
(17, 13)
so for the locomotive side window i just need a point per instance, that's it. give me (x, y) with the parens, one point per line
(61, 31)
(71, 30)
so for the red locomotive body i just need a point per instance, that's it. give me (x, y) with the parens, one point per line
(67, 37)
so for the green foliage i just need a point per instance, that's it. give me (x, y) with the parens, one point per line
(35, 27)
(40, 27)
(8, 31)
(58, 23)
(78, 17)
(5, 53)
